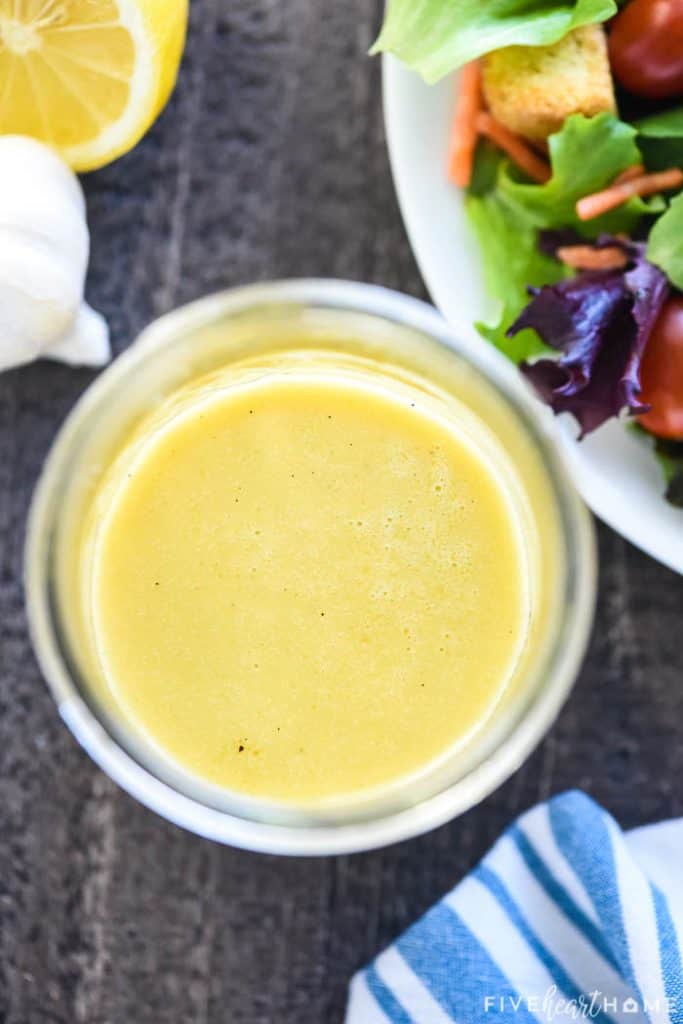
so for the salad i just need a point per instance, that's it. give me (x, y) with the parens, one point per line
(568, 139)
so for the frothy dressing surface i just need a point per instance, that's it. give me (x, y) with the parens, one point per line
(307, 587)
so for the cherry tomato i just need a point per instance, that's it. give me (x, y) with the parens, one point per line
(646, 48)
(661, 373)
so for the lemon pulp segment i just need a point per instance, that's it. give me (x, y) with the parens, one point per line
(87, 77)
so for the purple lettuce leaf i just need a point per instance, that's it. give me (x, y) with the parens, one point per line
(599, 321)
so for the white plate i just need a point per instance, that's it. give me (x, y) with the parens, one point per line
(613, 469)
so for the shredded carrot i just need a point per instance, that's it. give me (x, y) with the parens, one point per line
(585, 257)
(636, 171)
(518, 151)
(463, 140)
(615, 195)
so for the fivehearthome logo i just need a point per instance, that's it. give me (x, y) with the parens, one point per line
(553, 1005)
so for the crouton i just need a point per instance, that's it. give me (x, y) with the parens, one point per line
(532, 89)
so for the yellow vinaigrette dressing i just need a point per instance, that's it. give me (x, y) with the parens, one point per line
(310, 579)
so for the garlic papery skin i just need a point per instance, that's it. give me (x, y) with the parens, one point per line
(44, 249)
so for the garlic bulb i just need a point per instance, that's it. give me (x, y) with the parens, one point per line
(44, 248)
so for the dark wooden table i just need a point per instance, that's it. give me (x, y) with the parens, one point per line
(269, 162)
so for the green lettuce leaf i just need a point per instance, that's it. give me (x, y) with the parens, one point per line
(511, 262)
(436, 36)
(507, 215)
(665, 245)
(666, 125)
(511, 258)
(660, 139)
(670, 457)
(586, 155)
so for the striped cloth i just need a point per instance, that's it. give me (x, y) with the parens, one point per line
(567, 918)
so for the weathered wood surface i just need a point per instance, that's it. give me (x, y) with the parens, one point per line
(270, 162)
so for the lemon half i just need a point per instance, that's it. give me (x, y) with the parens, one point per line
(88, 77)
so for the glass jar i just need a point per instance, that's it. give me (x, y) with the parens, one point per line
(403, 338)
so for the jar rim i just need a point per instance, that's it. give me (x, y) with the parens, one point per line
(310, 836)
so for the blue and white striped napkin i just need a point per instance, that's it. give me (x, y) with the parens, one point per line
(567, 918)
